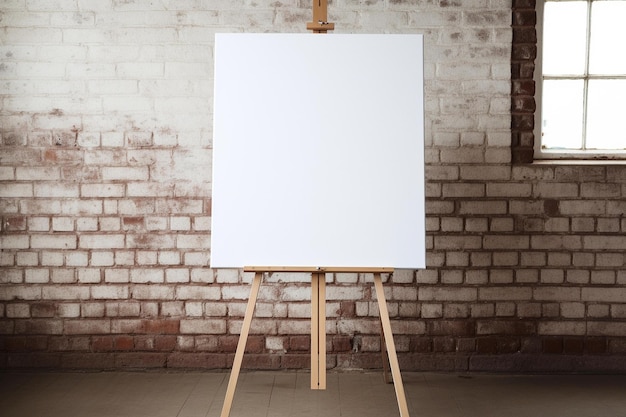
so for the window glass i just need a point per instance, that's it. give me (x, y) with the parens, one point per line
(562, 114)
(605, 124)
(607, 29)
(564, 37)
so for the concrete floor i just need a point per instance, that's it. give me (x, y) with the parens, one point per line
(287, 394)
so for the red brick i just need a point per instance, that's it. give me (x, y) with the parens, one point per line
(15, 223)
(505, 327)
(573, 345)
(260, 361)
(123, 343)
(300, 343)
(360, 361)
(348, 309)
(342, 344)
(508, 345)
(39, 326)
(88, 361)
(487, 345)
(552, 345)
(43, 310)
(450, 328)
(228, 343)
(420, 344)
(33, 360)
(102, 343)
(165, 343)
(596, 345)
(197, 360)
(161, 326)
(25, 343)
(444, 344)
(69, 343)
(295, 361)
(254, 344)
(140, 360)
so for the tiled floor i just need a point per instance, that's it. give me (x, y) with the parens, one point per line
(287, 394)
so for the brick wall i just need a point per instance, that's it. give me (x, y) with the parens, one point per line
(105, 194)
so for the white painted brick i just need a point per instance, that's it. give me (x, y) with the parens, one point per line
(77, 258)
(86, 224)
(16, 190)
(116, 275)
(140, 70)
(498, 155)
(89, 275)
(31, 35)
(7, 173)
(147, 257)
(80, 208)
(18, 310)
(27, 259)
(53, 242)
(180, 223)
(52, 258)
(177, 275)
(6, 259)
(603, 277)
(197, 258)
(169, 258)
(127, 104)
(144, 275)
(36, 276)
(102, 190)
(123, 257)
(112, 139)
(195, 309)
(63, 276)
(62, 224)
(56, 190)
(193, 241)
(152, 292)
(37, 173)
(204, 275)
(109, 292)
(101, 241)
(209, 309)
(69, 310)
(102, 258)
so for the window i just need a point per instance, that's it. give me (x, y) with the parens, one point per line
(583, 79)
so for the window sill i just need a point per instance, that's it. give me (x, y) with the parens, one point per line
(595, 162)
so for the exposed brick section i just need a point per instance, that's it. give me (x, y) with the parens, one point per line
(523, 55)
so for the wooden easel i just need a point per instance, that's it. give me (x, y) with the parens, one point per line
(318, 329)
(318, 299)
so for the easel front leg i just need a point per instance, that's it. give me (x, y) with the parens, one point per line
(318, 331)
(241, 345)
(391, 347)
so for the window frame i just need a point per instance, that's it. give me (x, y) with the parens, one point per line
(541, 154)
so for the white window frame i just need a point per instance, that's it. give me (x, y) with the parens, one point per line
(539, 152)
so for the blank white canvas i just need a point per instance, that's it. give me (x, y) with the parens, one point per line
(318, 151)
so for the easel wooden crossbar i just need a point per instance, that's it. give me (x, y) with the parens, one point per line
(318, 329)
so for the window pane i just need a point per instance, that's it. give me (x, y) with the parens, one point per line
(607, 29)
(564, 37)
(605, 114)
(562, 114)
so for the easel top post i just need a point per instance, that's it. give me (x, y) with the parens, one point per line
(320, 17)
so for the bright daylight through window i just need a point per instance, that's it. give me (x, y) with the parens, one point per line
(583, 86)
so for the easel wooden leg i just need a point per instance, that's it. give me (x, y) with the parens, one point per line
(241, 345)
(391, 348)
(318, 331)
(383, 352)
